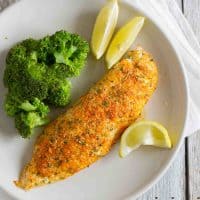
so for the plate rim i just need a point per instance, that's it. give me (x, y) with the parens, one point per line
(169, 161)
(165, 167)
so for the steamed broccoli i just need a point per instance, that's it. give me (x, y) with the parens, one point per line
(36, 72)
(25, 122)
(59, 94)
(12, 104)
(70, 51)
(28, 114)
(65, 50)
(35, 105)
(32, 114)
(23, 76)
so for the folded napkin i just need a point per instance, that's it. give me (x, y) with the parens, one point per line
(167, 14)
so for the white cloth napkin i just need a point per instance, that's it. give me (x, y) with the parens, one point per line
(169, 17)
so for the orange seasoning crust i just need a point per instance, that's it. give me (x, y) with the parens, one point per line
(87, 131)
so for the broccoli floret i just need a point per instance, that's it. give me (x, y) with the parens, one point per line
(67, 51)
(26, 122)
(36, 72)
(23, 75)
(14, 105)
(11, 104)
(23, 84)
(16, 55)
(31, 45)
(30, 115)
(44, 51)
(35, 105)
(59, 93)
(27, 106)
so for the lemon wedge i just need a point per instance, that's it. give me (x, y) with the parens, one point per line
(123, 40)
(144, 133)
(104, 27)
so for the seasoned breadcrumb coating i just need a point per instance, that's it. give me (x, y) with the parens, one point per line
(87, 131)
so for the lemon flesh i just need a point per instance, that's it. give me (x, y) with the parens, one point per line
(104, 28)
(144, 133)
(123, 40)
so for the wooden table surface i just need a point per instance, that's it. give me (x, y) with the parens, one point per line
(182, 180)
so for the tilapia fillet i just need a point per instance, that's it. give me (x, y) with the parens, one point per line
(87, 131)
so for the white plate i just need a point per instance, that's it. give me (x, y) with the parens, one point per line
(111, 178)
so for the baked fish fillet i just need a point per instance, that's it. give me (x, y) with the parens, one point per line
(87, 131)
